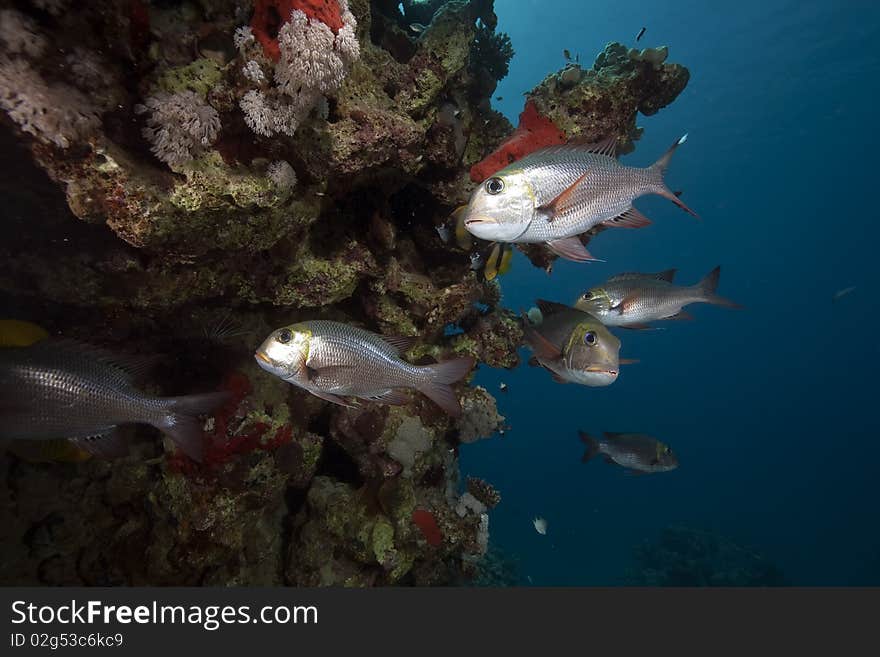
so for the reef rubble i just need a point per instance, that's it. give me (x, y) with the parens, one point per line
(192, 175)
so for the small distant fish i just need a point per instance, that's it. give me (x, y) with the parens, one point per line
(499, 261)
(535, 316)
(418, 28)
(499, 98)
(557, 193)
(57, 389)
(632, 299)
(641, 32)
(566, 54)
(332, 361)
(502, 386)
(573, 345)
(540, 525)
(634, 451)
(443, 232)
(48, 451)
(842, 293)
(476, 260)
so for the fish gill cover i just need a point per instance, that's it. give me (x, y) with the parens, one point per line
(285, 160)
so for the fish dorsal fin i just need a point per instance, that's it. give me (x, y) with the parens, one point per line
(543, 348)
(402, 343)
(548, 308)
(631, 218)
(122, 368)
(611, 435)
(667, 275)
(607, 146)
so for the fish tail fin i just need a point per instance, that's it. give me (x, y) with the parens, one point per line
(181, 422)
(592, 446)
(659, 168)
(438, 379)
(707, 286)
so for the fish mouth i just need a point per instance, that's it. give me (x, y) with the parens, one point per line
(602, 370)
(259, 355)
(470, 221)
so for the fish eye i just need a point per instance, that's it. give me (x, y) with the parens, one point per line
(590, 338)
(588, 296)
(494, 186)
(284, 336)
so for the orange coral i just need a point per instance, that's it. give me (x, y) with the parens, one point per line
(425, 521)
(534, 132)
(270, 15)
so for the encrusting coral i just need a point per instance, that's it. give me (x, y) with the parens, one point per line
(269, 161)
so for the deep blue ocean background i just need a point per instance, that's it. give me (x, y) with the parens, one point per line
(771, 409)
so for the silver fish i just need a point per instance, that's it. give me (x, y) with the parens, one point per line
(634, 451)
(333, 360)
(631, 300)
(555, 194)
(58, 389)
(842, 293)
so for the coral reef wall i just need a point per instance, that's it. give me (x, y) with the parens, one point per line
(189, 176)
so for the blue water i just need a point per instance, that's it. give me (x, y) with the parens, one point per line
(771, 409)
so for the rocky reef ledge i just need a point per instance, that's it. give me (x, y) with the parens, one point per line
(180, 178)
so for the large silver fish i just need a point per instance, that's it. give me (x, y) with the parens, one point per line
(631, 300)
(555, 194)
(58, 389)
(333, 360)
(573, 345)
(636, 452)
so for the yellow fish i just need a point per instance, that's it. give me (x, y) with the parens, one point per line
(16, 333)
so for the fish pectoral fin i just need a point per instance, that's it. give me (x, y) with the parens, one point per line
(533, 362)
(626, 304)
(391, 397)
(571, 248)
(681, 314)
(402, 343)
(333, 399)
(107, 445)
(563, 201)
(631, 218)
(639, 327)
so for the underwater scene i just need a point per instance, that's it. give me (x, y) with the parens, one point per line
(438, 293)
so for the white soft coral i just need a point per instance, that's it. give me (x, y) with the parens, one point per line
(180, 126)
(313, 61)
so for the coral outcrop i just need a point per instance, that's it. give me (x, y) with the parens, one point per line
(684, 556)
(190, 176)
